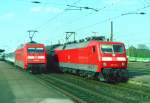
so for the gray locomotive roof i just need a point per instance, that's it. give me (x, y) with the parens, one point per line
(32, 42)
(51, 47)
(74, 45)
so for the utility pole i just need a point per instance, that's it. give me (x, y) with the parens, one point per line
(111, 34)
(31, 34)
(69, 34)
(129, 13)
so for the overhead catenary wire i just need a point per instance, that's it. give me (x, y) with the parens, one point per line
(147, 6)
(112, 18)
(94, 24)
(46, 23)
(104, 7)
(54, 17)
(51, 19)
(109, 18)
(91, 25)
(39, 2)
(50, 2)
(99, 10)
(80, 8)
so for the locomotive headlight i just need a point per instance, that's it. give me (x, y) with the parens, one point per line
(123, 64)
(41, 57)
(30, 57)
(104, 64)
(121, 59)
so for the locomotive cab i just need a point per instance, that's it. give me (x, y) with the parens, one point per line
(36, 58)
(113, 61)
(113, 56)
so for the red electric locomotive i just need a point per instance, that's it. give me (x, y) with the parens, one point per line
(31, 56)
(98, 58)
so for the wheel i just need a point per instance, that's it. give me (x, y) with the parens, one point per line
(32, 71)
(123, 74)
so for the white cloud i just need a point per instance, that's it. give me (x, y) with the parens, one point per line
(40, 9)
(7, 16)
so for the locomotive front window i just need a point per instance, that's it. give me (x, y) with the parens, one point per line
(115, 48)
(31, 50)
(107, 48)
(35, 50)
(39, 50)
(118, 48)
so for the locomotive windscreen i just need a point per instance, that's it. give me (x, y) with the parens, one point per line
(35, 50)
(112, 48)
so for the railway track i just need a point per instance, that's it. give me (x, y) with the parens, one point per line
(90, 91)
(84, 94)
(83, 90)
(48, 83)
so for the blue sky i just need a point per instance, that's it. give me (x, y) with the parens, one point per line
(52, 21)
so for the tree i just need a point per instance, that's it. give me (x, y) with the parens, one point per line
(142, 46)
(131, 51)
(142, 51)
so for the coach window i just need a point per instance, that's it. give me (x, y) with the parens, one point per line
(93, 49)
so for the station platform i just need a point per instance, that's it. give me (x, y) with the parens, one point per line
(16, 86)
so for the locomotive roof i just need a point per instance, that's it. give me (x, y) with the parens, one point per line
(84, 44)
(29, 43)
(74, 45)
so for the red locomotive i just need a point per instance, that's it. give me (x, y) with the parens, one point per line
(101, 59)
(31, 56)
